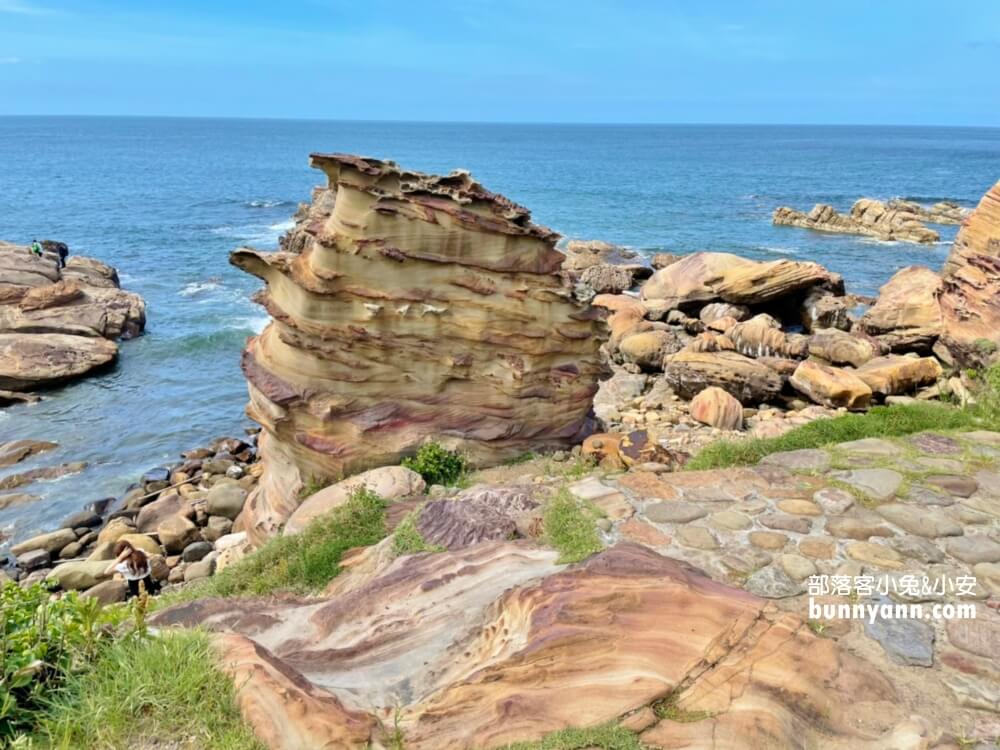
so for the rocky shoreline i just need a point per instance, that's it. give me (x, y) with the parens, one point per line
(181, 515)
(407, 308)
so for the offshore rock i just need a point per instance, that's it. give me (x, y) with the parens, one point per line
(942, 212)
(408, 307)
(496, 644)
(712, 277)
(970, 287)
(57, 324)
(868, 217)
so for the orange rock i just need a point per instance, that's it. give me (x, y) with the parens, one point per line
(970, 289)
(714, 407)
(831, 386)
(896, 374)
(643, 533)
(906, 316)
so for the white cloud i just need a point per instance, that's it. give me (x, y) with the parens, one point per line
(20, 7)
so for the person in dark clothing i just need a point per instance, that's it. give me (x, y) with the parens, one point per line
(134, 565)
(63, 253)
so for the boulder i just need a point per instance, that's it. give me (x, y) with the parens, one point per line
(176, 533)
(201, 569)
(718, 310)
(688, 373)
(942, 212)
(906, 316)
(225, 500)
(144, 542)
(51, 542)
(822, 309)
(648, 349)
(840, 348)
(166, 506)
(114, 530)
(79, 575)
(388, 482)
(437, 305)
(708, 277)
(761, 336)
(108, 592)
(716, 408)
(196, 551)
(831, 386)
(896, 374)
(33, 559)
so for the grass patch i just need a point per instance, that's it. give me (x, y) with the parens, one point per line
(607, 737)
(303, 563)
(521, 458)
(314, 484)
(667, 708)
(570, 528)
(880, 421)
(141, 692)
(407, 539)
(573, 468)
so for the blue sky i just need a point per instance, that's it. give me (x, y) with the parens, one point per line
(890, 62)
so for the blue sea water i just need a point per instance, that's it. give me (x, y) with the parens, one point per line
(165, 200)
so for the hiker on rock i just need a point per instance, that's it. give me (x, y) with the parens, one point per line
(36, 248)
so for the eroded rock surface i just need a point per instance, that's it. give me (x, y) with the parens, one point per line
(408, 307)
(485, 646)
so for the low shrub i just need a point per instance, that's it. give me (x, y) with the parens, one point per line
(604, 737)
(437, 465)
(570, 528)
(44, 640)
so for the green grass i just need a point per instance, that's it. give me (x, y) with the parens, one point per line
(438, 465)
(314, 484)
(881, 421)
(570, 528)
(143, 692)
(607, 737)
(407, 539)
(668, 709)
(303, 563)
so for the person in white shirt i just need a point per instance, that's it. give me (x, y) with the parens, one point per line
(134, 566)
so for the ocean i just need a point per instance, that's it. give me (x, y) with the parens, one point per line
(165, 200)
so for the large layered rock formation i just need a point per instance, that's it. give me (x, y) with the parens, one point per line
(497, 643)
(896, 221)
(409, 307)
(56, 323)
(970, 290)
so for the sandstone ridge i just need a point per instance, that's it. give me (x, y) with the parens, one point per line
(408, 307)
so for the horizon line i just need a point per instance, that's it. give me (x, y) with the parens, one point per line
(550, 123)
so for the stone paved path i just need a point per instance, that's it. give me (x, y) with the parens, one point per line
(896, 510)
